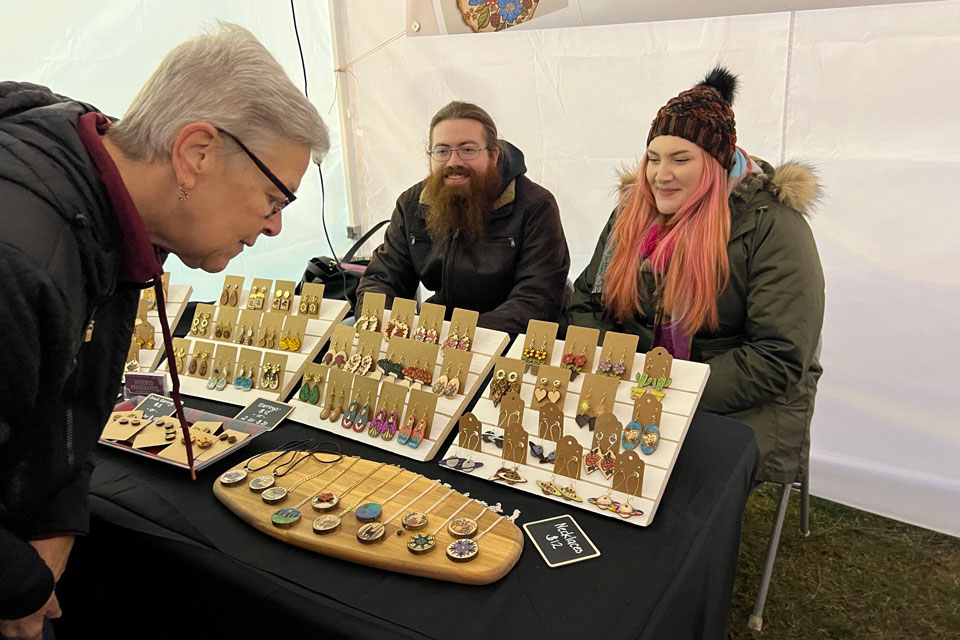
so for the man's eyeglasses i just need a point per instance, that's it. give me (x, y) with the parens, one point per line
(289, 195)
(466, 152)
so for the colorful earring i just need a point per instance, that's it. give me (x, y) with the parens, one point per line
(453, 386)
(649, 439)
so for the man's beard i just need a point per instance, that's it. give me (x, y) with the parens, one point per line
(463, 207)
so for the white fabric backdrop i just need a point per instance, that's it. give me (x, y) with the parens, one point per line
(103, 53)
(868, 94)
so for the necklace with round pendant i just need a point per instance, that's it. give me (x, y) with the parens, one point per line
(325, 501)
(286, 517)
(462, 528)
(421, 543)
(260, 483)
(371, 532)
(326, 524)
(368, 512)
(463, 550)
(233, 477)
(273, 495)
(414, 520)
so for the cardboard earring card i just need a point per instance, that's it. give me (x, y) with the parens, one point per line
(541, 335)
(202, 324)
(606, 437)
(230, 292)
(581, 342)
(340, 342)
(201, 355)
(401, 350)
(271, 330)
(628, 476)
(647, 410)
(515, 443)
(456, 364)
(431, 318)
(339, 387)
(550, 425)
(470, 428)
(568, 458)
(259, 294)
(424, 405)
(551, 386)
(392, 397)
(249, 361)
(657, 364)
(373, 304)
(311, 298)
(225, 324)
(114, 430)
(618, 351)
(364, 390)
(219, 445)
(248, 327)
(272, 371)
(403, 313)
(283, 296)
(509, 366)
(180, 362)
(597, 391)
(511, 410)
(317, 375)
(294, 329)
(133, 353)
(463, 322)
(225, 358)
(369, 344)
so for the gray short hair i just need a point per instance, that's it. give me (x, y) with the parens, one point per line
(226, 78)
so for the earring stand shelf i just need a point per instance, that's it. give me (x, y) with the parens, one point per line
(499, 548)
(317, 333)
(679, 404)
(175, 304)
(486, 348)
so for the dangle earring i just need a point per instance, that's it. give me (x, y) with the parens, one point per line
(452, 387)
(452, 339)
(609, 460)
(570, 492)
(497, 387)
(182, 193)
(592, 460)
(540, 391)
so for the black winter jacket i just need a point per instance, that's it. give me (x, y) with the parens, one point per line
(516, 271)
(60, 255)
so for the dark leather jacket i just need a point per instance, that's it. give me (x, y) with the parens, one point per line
(515, 271)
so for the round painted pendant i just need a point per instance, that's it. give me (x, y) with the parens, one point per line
(273, 494)
(462, 528)
(371, 532)
(286, 517)
(325, 501)
(326, 524)
(260, 483)
(414, 520)
(368, 512)
(233, 477)
(421, 543)
(463, 550)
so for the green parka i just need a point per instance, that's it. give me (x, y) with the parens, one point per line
(763, 358)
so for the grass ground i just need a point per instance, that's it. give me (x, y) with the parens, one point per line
(857, 575)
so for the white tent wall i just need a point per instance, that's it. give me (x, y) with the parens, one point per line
(102, 55)
(867, 94)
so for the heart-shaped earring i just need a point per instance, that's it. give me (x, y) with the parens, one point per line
(540, 391)
(554, 394)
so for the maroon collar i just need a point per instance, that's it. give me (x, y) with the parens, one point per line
(141, 264)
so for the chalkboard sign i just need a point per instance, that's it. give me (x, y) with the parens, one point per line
(560, 541)
(266, 413)
(155, 406)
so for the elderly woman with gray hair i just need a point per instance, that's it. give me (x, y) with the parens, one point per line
(203, 162)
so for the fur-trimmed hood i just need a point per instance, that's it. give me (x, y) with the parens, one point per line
(794, 184)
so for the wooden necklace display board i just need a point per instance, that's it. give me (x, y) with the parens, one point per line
(485, 346)
(614, 401)
(272, 314)
(175, 303)
(376, 500)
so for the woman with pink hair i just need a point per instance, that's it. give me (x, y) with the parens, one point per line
(708, 254)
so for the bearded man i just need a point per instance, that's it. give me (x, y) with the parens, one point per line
(477, 232)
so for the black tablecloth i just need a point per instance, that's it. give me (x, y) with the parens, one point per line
(166, 559)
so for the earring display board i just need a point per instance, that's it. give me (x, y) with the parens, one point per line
(624, 455)
(175, 303)
(296, 340)
(462, 372)
(159, 438)
(443, 534)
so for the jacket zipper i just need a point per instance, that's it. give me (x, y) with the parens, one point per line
(444, 273)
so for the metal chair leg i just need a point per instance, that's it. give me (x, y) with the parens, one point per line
(756, 620)
(805, 507)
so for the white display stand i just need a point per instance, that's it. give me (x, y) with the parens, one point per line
(175, 304)
(318, 332)
(487, 347)
(679, 405)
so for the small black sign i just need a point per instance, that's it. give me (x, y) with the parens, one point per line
(560, 541)
(156, 406)
(266, 413)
